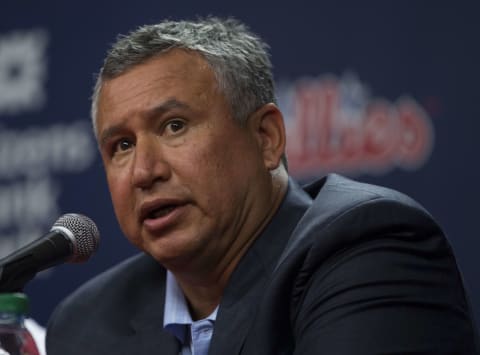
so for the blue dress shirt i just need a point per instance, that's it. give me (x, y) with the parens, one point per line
(194, 336)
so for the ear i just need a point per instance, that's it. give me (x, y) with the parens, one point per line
(269, 130)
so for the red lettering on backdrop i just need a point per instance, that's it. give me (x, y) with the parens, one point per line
(417, 138)
(325, 136)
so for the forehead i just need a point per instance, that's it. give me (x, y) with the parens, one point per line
(176, 73)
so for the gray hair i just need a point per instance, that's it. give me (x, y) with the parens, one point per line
(238, 58)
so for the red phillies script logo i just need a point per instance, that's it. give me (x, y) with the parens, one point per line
(333, 125)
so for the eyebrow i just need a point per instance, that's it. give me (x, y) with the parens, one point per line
(155, 111)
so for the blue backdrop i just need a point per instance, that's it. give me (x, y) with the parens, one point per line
(386, 92)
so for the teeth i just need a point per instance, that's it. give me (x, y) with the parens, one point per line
(161, 212)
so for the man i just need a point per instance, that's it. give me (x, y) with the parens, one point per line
(237, 258)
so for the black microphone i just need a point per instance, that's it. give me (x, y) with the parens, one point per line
(73, 238)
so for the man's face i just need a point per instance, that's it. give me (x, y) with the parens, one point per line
(188, 183)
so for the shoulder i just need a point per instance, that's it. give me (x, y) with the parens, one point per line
(345, 213)
(106, 305)
(365, 254)
(364, 233)
(120, 280)
(341, 193)
(347, 218)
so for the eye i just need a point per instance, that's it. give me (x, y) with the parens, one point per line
(122, 145)
(175, 126)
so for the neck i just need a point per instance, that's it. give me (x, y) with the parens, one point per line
(202, 300)
(204, 287)
(203, 290)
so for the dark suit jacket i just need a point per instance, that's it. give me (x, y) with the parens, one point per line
(346, 268)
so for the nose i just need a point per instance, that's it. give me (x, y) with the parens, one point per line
(149, 165)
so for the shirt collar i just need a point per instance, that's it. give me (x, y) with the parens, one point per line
(177, 318)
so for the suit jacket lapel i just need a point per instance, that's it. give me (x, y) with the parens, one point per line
(147, 334)
(241, 298)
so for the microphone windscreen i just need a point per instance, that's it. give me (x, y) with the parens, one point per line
(82, 232)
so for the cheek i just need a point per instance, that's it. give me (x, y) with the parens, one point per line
(120, 194)
(219, 173)
(201, 168)
(122, 200)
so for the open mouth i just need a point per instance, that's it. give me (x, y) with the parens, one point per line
(161, 212)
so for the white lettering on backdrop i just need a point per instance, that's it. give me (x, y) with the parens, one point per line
(29, 159)
(23, 70)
